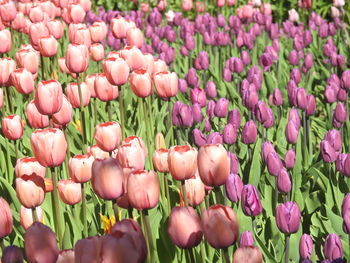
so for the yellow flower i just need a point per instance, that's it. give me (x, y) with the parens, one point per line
(77, 125)
(107, 223)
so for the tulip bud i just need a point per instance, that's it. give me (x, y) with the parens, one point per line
(333, 248)
(229, 134)
(184, 227)
(246, 239)
(77, 51)
(12, 254)
(182, 115)
(28, 166)
(198, 96)
(216, 218)
(116, 70)
(120, 26)
(284, 184)
(214, 138)
(293, 57)
(346, 213)
(48, 46)
(329, 154)
(49, 146)
(289, 159)
(66, 256)
(30, 190)
(234, 117)
(199, 138)
(104, 90)
(292, 132)
(6, 219)
(234, 187)
(210, 89)
(72, 92)
(221, 107)
(69, 191)
(22, 80)
(160, 160)
(251, 203)
(311, 105)
(6, 42)
(182, 162)
(247, 254)
(64, 115)
(288, 217)
(55, 28)
(294, 115)
(48, 97)
(277, 97)
(98, 31)
(213, 164)
(35, 118)
(305, 246)
(274, 163)
(12, 127)
(166, 84)
(340, 113)
(88, 249)
(345, 79)
(249, 132)
(107, 136)
(107, 178)
(80, 168)
(43, 249)
(143, 189)
(97, 52)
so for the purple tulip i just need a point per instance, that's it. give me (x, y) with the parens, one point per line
(249, 132)
(210, 89)
(292, 132)
(335, 139)
(329, 155)
(182, 115)
(305, 246)
(265, 61)
(184, 51)
(238, 66)
(289, 159)
(199, 138)
(277, 97)
(260, 110)
(183, 85)
(197, 113)
(333, 248)
(293, 115)
(227, 75)
(345, 212)
(251, 203)
(246, 239)
(250, 98)
(214, 138)
(234, 187)
(234, 163)
(323, 30)
(229, 134)
(12, 254)
(295, 75)
(221, 108)
(340, 113)
(345, 79)
(293, 58)
(308, 61)
(202, 61)
(288, 217)
(198, 96)
(342, 94)
(340, 163)
(207, 126)
(270, 119)
(274, 163)
(192, 78)
(210, 109)
(234, 117)
(266, 149)
(245, 57)
(301, 99)
(190, 42)
(284, 185)
(330, 94)
(340, 61)
(311, 105)
(221, 20)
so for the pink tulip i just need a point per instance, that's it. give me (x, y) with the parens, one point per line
(12, 127)
(36, 32)
(120, 26)
(48, 46)
(80, 168)
(7, 66)
(134, 37)
(48, 8)
(141, 83)
(49, 146)
(20, 22)
(76, 13)
(220, 3)
(187, 5)
(69, 191)
(64, 115)
(160, 160)
(28, 59)
(26, 216)
(182, 162)
(195, 190)
(88, 250)
(132, 153)
(107, 178)
(81, 36)
(97, 52)
(1, 98)
(28, 166)
(22, 80)
(97, 152)
(159, 66)
(66, 256)
(55, 28)
(36, 14)
(5, 41)
(108, 135)
(98, 31)
(116, 70)
(143, 189)
(77, 58)
(166, 84)
(48, 97)
(35, 118)
(6, 220)
(105, 91)
(134, 58)
(43, 249)
(72, 92)
(7, 11)
(90, 82)
(30, 190)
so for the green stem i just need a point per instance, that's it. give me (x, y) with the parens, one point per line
(83, 204)
(95, 112)
(56, 207)
(225, 255)
(305, 157)
(34, 215)
(170, 121)
(82, 115)
(9, 100)
(15, 142)
(121, 110)
(167, 194)
(203, 252)
(183, 191)
(145, 232)
(192, 258)
(42, 67)
(130, 212)
(148, 135)
(286, 255)
(218, 195)
(149, 234)
(109, 109)
(2, 246)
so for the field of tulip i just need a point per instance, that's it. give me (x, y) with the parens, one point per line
(180, 131)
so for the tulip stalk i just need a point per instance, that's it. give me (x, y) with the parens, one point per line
(82, 112)
(183, 192)
(286, 255)
(56, 206)
(83, 204)
(305, 157)
(226, 257)
(121, 110)
(148, 230)
(34, 214)
(144, 109)
(116, 210)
